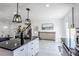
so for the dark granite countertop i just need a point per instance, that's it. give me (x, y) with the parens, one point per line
(14, 44)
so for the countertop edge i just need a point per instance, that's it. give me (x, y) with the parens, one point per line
(34, 37)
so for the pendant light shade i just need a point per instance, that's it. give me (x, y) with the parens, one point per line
(27, 20)
(17, 17)
(72, 26)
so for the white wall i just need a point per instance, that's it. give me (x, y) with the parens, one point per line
(67, 20)
(76, 14)
(57, 26)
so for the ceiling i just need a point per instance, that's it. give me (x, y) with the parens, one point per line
(38, 10)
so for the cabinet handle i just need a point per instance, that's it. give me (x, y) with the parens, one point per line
(21, 49)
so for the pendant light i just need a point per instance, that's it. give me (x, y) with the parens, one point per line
(28, 21)
(72, 26)
(72, 32)
(17, 17)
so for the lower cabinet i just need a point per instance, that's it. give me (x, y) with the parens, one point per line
(29, 49)
(22, 51)
(33, 47)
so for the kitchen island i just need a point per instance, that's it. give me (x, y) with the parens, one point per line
(14, 47)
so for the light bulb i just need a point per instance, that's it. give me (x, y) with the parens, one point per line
(47, 5)
(17, 19)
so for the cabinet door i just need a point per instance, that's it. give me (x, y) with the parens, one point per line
(30, 49)
(26, 50)
(35, 46)
(20, 51)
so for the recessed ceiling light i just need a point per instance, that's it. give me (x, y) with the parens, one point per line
(47, 5)
(5, 27)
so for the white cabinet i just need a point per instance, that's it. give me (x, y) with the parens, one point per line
(29, 49)
(26, 50)
(22, 51)
(33, 47)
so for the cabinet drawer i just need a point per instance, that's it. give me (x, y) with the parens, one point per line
(33, 47)
(20, 51)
